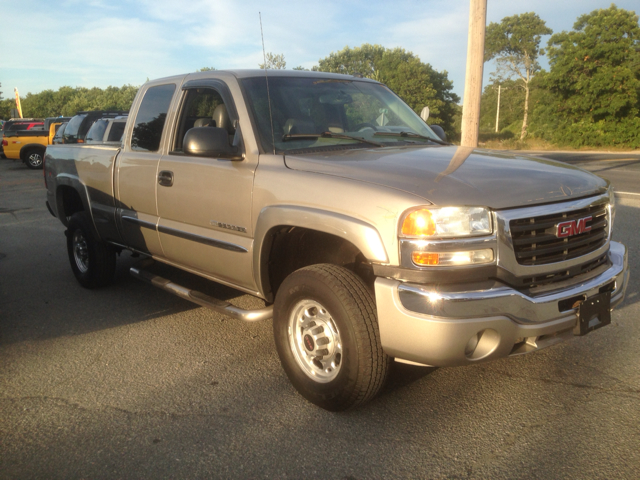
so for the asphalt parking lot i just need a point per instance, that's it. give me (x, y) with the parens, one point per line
(132, 382)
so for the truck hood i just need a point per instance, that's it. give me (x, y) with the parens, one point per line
(457, 175)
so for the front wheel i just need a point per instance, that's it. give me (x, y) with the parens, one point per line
(326, 333)
(93, 261)
(33, 159)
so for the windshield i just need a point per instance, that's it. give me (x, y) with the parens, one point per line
(305, 108)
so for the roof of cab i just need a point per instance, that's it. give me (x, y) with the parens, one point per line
(252, 73)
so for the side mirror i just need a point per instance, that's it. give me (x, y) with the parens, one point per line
(424, 114)
(438, 130)
(210, 142)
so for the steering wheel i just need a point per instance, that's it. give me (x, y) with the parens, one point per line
(361, 126)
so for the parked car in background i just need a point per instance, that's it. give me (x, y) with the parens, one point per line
(17, 124)
(29, 145)
(106, 130)
(80, 124)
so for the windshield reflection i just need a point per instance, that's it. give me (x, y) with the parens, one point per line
(316, 113)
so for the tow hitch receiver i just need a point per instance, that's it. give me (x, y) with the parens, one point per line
(593, 313)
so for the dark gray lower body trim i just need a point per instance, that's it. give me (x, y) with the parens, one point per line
(137, 221)
(186, 235)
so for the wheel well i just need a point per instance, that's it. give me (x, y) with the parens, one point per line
(69, 201)
(287, 249)
(24, 151)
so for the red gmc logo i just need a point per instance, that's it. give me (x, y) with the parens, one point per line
(573, 227)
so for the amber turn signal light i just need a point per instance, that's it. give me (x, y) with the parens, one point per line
(419, 224)
(425, 258)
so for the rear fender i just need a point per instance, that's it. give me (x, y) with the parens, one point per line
(74, 182)
(29, 146)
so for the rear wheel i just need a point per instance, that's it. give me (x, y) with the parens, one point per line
(327, 337)
(93, 261)
(33, 159)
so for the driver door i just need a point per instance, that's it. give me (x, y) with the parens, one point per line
(204, 203)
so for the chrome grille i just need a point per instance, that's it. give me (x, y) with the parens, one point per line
(535, 241)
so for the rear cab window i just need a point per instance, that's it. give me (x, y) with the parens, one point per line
(96, 132)
(151, 117)
(117, 129)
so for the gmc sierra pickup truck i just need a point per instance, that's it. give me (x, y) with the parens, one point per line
(367, 236)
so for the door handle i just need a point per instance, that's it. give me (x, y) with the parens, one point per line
(165, 178)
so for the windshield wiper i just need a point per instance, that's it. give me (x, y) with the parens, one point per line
(293, 136)
(411, 135)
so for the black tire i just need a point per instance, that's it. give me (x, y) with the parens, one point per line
(340, 329)
(93, 261)
(33, 159)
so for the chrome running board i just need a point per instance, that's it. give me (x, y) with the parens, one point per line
(201, 299)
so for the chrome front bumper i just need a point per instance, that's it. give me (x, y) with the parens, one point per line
(423, 324)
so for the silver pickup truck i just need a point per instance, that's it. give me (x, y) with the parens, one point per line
(368, 236)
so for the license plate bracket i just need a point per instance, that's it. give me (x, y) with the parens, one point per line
(593, 313)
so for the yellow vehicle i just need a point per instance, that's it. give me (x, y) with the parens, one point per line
(29, 145)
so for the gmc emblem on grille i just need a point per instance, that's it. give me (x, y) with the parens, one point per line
(573, 227)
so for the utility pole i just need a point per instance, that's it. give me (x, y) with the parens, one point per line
(498, 110)
(473, 79)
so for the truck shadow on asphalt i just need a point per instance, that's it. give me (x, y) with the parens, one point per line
(402, 375)
(60, 307)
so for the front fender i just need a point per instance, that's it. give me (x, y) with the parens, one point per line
(361, 234)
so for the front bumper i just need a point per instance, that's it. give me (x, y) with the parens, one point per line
(422, 324)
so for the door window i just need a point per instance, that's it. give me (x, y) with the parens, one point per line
(202, 107)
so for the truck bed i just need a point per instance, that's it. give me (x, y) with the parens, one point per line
(85, 167)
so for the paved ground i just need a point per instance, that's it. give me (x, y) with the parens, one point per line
(623, 169)
(131, 382)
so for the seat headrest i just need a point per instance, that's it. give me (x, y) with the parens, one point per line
(221, 119)
(202, 122)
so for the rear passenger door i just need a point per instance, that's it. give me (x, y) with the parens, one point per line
(137, 169)
(205, 209)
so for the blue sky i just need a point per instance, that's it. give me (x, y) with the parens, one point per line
(47, 44)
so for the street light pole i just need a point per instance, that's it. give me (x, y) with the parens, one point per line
(473, 79)
(498, 110)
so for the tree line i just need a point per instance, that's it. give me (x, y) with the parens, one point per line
(67, 101)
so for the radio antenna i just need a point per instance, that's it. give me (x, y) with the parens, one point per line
(264, 56)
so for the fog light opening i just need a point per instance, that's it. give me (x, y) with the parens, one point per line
(482, 344)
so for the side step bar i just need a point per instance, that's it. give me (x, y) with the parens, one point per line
(202, 299)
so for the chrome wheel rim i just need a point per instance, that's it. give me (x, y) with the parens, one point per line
(315, 341)
(35, 159)
(80, 251)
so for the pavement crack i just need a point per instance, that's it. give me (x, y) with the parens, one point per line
(102, 407)
(625, 391)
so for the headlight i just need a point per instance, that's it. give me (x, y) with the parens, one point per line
(447, 222)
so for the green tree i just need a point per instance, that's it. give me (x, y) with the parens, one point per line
(206, 69)
(67, 101)
(511, 106)
(274, 62)
(514, 43)
(417, 83)
(595, 78)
